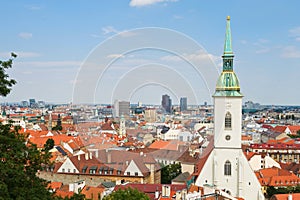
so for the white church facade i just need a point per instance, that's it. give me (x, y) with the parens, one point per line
(227, 168)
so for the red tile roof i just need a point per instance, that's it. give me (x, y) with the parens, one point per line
(279, 129)
(92, 192)
(295, 196)
(277, 177)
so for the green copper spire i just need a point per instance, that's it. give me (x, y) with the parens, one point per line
(228, 83)
(227, 45)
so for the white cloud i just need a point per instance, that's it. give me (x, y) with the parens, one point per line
(177, 17)
(95, 36)
(25, 35)
(244, 42)
(140, 3)
(115, 56)
(111, 30)
(197, 56)
(33, 7)
(261, 46)
(295, 32)
(21, 54)
(291, 52)
(49, 64)
(108, 30)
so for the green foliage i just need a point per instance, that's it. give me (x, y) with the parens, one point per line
(74, 197)
(20, 161)
(129, 193)
(282, 190)
(57, 128)
(170, 172)
(5, 82)
(49, 144)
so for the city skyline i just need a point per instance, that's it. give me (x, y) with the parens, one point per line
(53, 41)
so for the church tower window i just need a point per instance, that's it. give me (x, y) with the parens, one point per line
(227, 168)
(228, 120)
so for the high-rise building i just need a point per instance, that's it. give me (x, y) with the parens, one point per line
(226, 167)
(183, 104)
(121, 108)
(166, 103)
(24, 104)
(32, 103)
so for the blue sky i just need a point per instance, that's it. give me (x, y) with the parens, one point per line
(53, 40)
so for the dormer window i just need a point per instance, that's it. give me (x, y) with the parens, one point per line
(228, 121)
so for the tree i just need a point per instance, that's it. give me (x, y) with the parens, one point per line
(5, 82)
(169, 172)
(49, 144)
(19, 159)
(128, 193)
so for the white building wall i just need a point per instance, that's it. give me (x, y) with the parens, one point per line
(242, 182)
(132, 169)
(222, 106)
(67, 167)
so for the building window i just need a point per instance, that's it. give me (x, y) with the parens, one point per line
(63, 170)
(128, 173)
(228, 120)
(227, 168)
(74, 170)
(136, 174)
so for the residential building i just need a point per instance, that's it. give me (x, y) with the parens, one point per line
(276, 177)
(226, 167)
(261, 161)
(294, 196)
(110, 165)
(280, 152)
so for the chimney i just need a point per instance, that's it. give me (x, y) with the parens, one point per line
(91, 155)
(78, 157)
(141, 153)
(86, 156)
(290, 197)
(166, 191)
(156, 193)
(97, 153)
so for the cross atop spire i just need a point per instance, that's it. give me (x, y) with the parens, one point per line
(227, 45)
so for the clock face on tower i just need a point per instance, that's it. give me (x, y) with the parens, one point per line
(227, 137)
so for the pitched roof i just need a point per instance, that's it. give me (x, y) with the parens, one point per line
(285, 196)
(279, 129)
(277, 177)
(92, 192)
(294, 129)
(150, 189)
(113, 161)
(158, 144)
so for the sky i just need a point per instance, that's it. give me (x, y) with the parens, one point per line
(137, 50)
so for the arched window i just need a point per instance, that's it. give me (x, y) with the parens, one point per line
(227, 168)
(228, 120)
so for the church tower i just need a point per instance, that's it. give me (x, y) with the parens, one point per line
(227, 101)
(122, 128)
(226, 167)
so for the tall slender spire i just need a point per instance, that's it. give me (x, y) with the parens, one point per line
(227, 45)
(228, 83)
